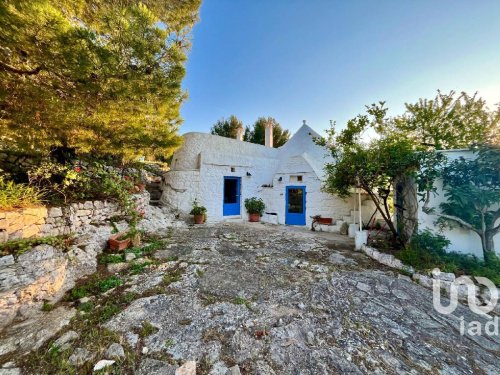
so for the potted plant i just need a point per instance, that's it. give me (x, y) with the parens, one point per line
(119, 241)
(255, 208)
(199, 213)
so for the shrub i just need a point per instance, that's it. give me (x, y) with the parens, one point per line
(47, 306)
(197, 209)
(68, 182)
(427, 250)
(14, 195)
(255, 206)
(424, 249)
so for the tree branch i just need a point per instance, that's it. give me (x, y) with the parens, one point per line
(428, 211)
(9, 68)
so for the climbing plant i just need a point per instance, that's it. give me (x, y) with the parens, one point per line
(471, 187)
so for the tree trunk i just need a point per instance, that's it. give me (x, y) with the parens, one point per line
(488, 246)
(385, 215)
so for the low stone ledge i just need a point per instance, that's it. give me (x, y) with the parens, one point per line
(445, 279)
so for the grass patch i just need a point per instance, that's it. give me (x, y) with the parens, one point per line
(208, 299)
(137, 251)
(169, 343)
(47, 306)
(428, 250)
(86, 307)
(92, 336)
(137, 268)
(147, 329)
(109, 283)
(94, 286)
(172, 277)
(242, 301)
(18, 247)
(14, 195)
(110, 258)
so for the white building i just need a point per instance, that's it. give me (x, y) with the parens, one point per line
(462, 240)
(221, 173)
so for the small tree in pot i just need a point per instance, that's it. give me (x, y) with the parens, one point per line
(199, 213)
(255, 208)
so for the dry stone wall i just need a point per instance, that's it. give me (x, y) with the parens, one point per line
(53, 221)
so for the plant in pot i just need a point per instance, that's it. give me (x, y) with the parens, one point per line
(255, 208)
(199, 213)
(119, 241)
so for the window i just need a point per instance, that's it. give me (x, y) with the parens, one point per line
(299, 178)
(296, 178)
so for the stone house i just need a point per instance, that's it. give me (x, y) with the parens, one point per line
(221, 173)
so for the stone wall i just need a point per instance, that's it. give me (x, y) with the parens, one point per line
(53, 221)
(13, 161)
(45, 273)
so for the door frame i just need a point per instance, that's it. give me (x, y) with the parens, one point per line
(238, 196)
(301, 217)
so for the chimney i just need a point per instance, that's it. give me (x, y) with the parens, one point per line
(239, 133)
(269, 134)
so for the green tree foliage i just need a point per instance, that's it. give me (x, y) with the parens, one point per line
(227, 127)
(100, 76)
(449, 121)
(472, 191)
(256, 134)
(373, 166)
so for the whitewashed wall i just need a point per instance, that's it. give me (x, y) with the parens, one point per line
(200, 165)
(462, 240)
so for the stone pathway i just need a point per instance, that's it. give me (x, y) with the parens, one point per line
(260, 299)
(281, 300)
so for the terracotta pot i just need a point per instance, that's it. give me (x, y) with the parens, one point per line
(325, 220)
(254, 218)
(118, 245)
(199, 219)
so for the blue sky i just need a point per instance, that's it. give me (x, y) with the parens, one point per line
(322, 60)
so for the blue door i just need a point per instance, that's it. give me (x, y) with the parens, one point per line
(232, 189)
(295, 205)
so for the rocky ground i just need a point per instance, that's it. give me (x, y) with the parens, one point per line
(259, 299)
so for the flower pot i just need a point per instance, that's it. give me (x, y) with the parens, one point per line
(254, 218)
(199, 219)
(325, 220)
(118, 245)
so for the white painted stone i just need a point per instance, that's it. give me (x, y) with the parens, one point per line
(360, 239)
(103, 363)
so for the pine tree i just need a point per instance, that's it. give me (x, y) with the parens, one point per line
(100, 77)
